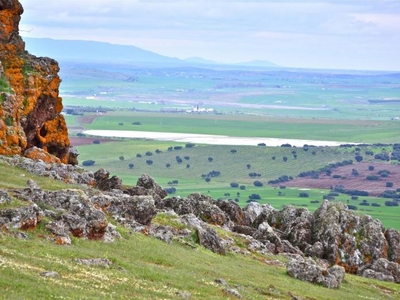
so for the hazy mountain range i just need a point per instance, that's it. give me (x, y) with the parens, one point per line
(89, 51)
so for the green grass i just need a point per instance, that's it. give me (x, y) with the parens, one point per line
(252, 126)
(146, 268)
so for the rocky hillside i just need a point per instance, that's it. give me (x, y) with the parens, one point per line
(30, 105)
(322, 246)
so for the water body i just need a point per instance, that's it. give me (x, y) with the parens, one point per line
(208, 138)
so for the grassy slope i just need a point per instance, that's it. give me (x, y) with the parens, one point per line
(145, 268)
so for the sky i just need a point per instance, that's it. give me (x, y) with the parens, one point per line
(331, 34)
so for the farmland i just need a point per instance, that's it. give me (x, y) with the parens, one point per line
(287, 104)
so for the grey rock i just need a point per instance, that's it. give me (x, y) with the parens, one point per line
(393, 238)
(50, 274)
(24, 218)
(233, 292)
(209, 239)
(234, 212)
(4, 197)
(382, 268)
(102, 262)
(252, 210)
(104, 183)
(308, 270)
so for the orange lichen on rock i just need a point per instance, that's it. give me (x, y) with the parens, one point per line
(30, 106)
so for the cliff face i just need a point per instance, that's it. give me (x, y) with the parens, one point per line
(30, 106)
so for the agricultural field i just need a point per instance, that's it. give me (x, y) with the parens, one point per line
(345, 107)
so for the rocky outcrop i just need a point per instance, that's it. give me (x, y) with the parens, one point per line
(308, 270)
(30, 106)
(332, 235)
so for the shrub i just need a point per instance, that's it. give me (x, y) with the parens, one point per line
(207, 179)
(121, 157)
(96, 142)
(234, 184)
(389, 184)
(187, 166)
(273, 157)
(254, 197)
(178, 159)
(149, 162)
(391, 203)
(87, 163)
(158, 151)
(210, 159)
(131, 166)
(375, 204)
(352, 207)
(337, 176)
(358, 158)
(285, 158)
(248, 166)
(186, 157)
(257, 183)
(170, 190)
(148, 153)
(372, 177)
(286, 145)
(261, 144)
(371, 168)
(138, 155)
(303, 195)
(120, 124)
(136, 123)
(233, 151)
(177, 147)
(242, 187)
(167, 165)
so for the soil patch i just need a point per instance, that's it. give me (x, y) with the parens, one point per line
(351, 182)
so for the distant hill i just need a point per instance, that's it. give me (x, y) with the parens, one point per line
(76, 50)
(89, 51)
(199, 60)
(259, 63)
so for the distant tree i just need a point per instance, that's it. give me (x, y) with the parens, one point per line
(261, 144)
(189, 145)
(187, 166)
(257, 183)
(234, 184)
(372, 178)
(303, 195)
(149, 162)
(167, 165)
(138, 155)
(186, 157)
(273, 157)
(389, 184)
(295, 156)
(89, 162)
(178, 159)
(248, 166)
(96, 142)
(313, 153)
(358, 158)
(131, 166)
(210, 159)
(148, 153)
(177, 147)
(120, 124)
(121, 157)
(371, 168)
(285, 158)
(136, 123)
(242, 187)
(170, 149)
(158, 151)
(233, 151)
(207, 179)
(286, 145)
(354, 172)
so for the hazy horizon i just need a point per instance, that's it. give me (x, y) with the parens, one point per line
(299, 34)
